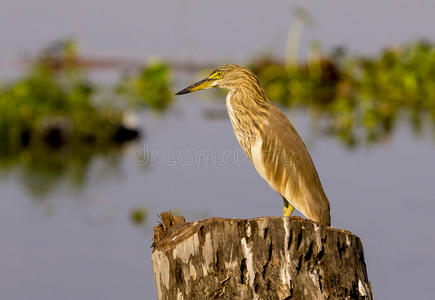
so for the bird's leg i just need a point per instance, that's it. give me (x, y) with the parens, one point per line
(288, 208)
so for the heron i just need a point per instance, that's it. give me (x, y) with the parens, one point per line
(270, 141)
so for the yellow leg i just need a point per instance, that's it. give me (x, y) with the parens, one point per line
(288, 208)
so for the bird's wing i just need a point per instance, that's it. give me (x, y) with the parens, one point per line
(286, 165)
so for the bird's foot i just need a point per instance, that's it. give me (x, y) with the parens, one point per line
(288, 208)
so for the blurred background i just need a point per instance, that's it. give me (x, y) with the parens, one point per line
(93, 145)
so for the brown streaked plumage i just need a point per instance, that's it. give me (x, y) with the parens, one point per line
(270, 141)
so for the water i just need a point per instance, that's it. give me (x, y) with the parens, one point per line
(81, 244)
(74, 245)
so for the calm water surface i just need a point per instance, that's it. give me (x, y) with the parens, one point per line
(82, 245)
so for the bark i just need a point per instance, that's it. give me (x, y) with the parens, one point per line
(261, 258)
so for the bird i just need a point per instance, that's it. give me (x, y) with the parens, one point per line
(270, 141)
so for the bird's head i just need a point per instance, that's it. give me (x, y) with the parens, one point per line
(227, 76)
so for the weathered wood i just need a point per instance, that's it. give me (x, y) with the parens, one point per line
(262, 258)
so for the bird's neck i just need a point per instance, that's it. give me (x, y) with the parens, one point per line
(246, 114)
(247, 100)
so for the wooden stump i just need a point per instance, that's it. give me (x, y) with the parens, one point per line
(261, 258)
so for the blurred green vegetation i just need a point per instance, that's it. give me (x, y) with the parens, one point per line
(149, 87)
(139, 215)
(54, 120)
(357, 99)
(54, 107)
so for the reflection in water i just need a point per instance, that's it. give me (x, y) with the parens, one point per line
(42, 169)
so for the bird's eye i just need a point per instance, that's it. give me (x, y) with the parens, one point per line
(219, 75)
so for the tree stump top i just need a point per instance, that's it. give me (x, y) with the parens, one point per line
(260, 258)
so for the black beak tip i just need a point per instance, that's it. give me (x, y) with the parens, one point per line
(183, 91)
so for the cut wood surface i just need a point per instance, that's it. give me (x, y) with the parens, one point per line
(261, 258)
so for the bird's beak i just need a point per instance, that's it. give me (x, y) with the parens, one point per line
(200, 85)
